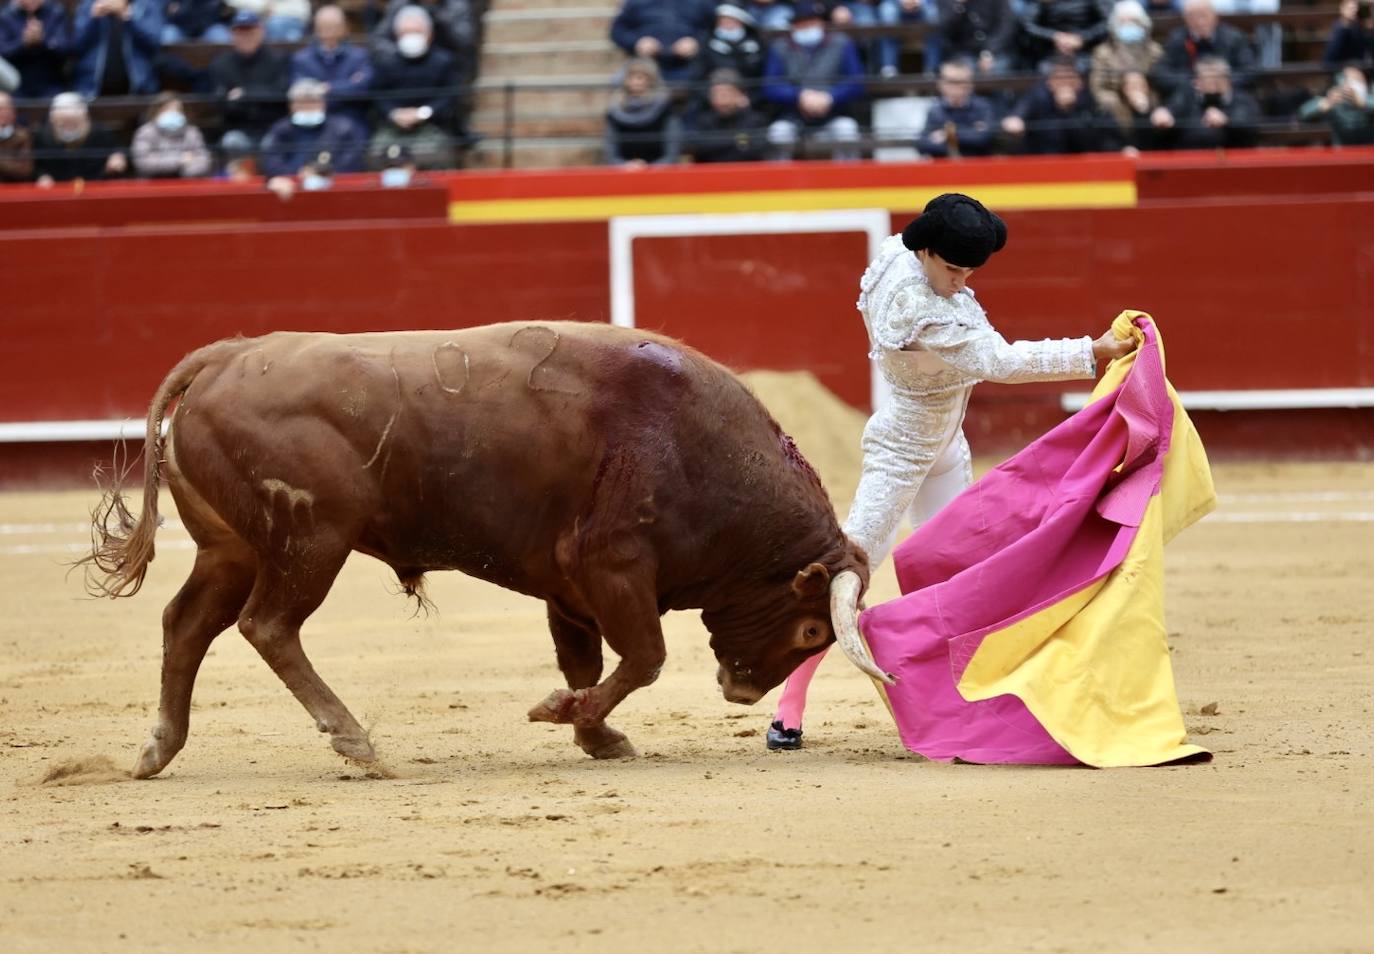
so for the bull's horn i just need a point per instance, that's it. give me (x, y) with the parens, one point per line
(844, 618)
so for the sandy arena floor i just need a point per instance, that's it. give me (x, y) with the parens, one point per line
(499, 835)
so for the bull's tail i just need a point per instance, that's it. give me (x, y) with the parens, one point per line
(122, 547)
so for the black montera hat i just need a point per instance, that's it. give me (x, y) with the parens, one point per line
(958, 229)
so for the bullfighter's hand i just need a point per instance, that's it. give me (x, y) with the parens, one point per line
(1109, 347)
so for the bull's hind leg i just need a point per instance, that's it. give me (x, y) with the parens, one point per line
(283, 597)
(206, 606)
(579, 656)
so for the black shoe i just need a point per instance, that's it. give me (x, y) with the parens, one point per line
(783, 739)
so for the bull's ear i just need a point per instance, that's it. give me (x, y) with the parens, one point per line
(812, 582)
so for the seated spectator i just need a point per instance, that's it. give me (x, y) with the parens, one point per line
(1139, 102)
(731, 130)
(252, 79)
(1348, 106)
(641, 129)
(669, 32)
(345, 69)
(771, 14)
(415, 94)
(114, 44)
(309, 130)
(889, 48)
(200, 20)
(1059, 116)
(814, 77)
(981, 31)
(283, 20)
(16, 145)
(960, 123)
(454, 25)
(1352, 37)
(1055, 28)
(1128, 50)
(734, 45)
(36, 39)
(398, 167)
(71, 147)
(1202, 35)
(1209, 114)
(167, 146)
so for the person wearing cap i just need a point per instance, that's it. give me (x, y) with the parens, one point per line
(283, 21)
(398, 167)
(670, 32)
(730, 130)
(308, 131)
(251, 80)
(114, 45)
(932, 342)
(814, 77)
(1128, 49)
(734, 44)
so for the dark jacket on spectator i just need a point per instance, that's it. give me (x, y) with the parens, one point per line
(1349, 43)
(40, 67)
(1082, 128)
(644, 129)
(1086, 18)
(739, 137)
(194, 17)
(142, 41)
(665, 20)
(263, 79)
(1181, 53)
(287, 147)
(968, 27)
(65, 161)
(745, 57)
(429, 80)
(833, 66)
(974, 124)
(348, 71)
(455, 29)
(16, 156)
(1188, 105)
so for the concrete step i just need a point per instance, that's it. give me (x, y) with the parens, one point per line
(540, 126)
(539, 154)
(526, 60)
(531, 26)
(550, 101)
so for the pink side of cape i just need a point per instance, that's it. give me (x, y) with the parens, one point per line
(1037, 529)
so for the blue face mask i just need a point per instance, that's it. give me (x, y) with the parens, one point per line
(171, 121)
(1129, 33)
(730, 34)
(808, 36)
(314, 182)
(396, 178)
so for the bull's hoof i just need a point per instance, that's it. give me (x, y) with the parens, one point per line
(354, 749)
(558, 707)
(150, 760)
(605, 743)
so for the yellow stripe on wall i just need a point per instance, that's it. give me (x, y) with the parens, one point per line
(1029, 195)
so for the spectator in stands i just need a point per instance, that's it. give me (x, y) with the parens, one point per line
(309, 130)
(36, 38)
(283, 21)
(344, 69)
(415, 93)
(1129, 49)
(1348, 106)
(453, 25)
(1267, 37)
(734, 45)
(16, 145)
(731, 130)
(981, 31)
(670, 32)
(1202, 35)
(114, 43)
(1209, 114)
(71, 147)
(1056, 28)
(1139, 102)
(1060, 117)
(641, 129)
(1352, 37)
(889, 49)
(167, 146)
(201, 20)
(252, 80)
(960, 123)
(771, 14)
(814, 77)
(398, 167)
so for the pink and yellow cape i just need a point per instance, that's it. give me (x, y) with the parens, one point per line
(1031, 625)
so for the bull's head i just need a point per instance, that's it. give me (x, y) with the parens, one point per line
(760, 648)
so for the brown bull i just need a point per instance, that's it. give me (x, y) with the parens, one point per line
(613, 474)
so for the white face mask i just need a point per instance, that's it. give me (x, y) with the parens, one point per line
(397, 178)
(6, 132)
(1129, 33)
(412, 45)
(172, 121)
(308, 118)
(730, 34)
(808, 36)
(68, 135)
(314, 182)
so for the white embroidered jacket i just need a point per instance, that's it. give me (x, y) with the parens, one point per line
(931, 351)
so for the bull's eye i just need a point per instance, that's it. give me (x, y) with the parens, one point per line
(812, 632)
